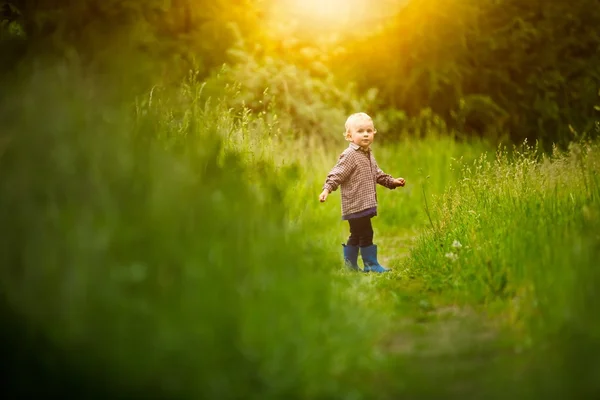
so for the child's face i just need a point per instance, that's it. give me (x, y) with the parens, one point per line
(361, 132)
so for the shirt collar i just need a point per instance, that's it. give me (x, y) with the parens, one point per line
(357, 147)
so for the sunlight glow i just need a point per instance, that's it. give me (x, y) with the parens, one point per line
(326, 11)
(320, 18)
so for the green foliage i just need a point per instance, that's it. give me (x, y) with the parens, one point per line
(535, 65)
(303, 102)
(176, 35)
(519, 234)
(162, 253)
(160, 164)
(526, 69)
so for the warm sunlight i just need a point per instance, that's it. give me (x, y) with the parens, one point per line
(330, 11)
(183, 217)
(315, 17)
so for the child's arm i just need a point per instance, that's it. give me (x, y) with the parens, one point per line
(387, 180)
(340, 172)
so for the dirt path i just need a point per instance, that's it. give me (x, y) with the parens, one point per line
(458, 344)
(425, 324)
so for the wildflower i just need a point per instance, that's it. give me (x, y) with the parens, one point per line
(453, 257)
(456, 244)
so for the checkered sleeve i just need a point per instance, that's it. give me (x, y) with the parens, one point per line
(340, 172)
(384, 179)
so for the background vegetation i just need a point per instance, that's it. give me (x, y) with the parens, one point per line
(160, 163)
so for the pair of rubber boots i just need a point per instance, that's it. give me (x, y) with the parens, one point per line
(369, 257)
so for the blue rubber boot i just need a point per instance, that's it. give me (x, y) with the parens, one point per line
(369, 256)
(351, 257)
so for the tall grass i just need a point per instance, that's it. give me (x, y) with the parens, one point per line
(152, 246)
(175, 246)
(519, 233)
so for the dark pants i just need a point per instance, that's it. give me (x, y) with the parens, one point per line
(361, 232)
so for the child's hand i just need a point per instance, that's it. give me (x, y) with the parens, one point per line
(323, 195)
(399, 182)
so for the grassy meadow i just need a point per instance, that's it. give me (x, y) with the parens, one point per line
(161, 233)
(176, 248)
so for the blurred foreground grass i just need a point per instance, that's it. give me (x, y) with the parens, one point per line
(143, 244)
(176, 249)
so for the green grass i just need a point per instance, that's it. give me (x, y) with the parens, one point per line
(151, 246)
(519, 235)
(179, 246)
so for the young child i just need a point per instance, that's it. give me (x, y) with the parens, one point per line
(357, 173)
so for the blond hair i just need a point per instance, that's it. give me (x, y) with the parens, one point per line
(352, 120)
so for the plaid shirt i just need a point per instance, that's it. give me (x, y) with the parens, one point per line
(357, 173)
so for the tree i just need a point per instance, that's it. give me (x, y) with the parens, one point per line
(536, 64)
